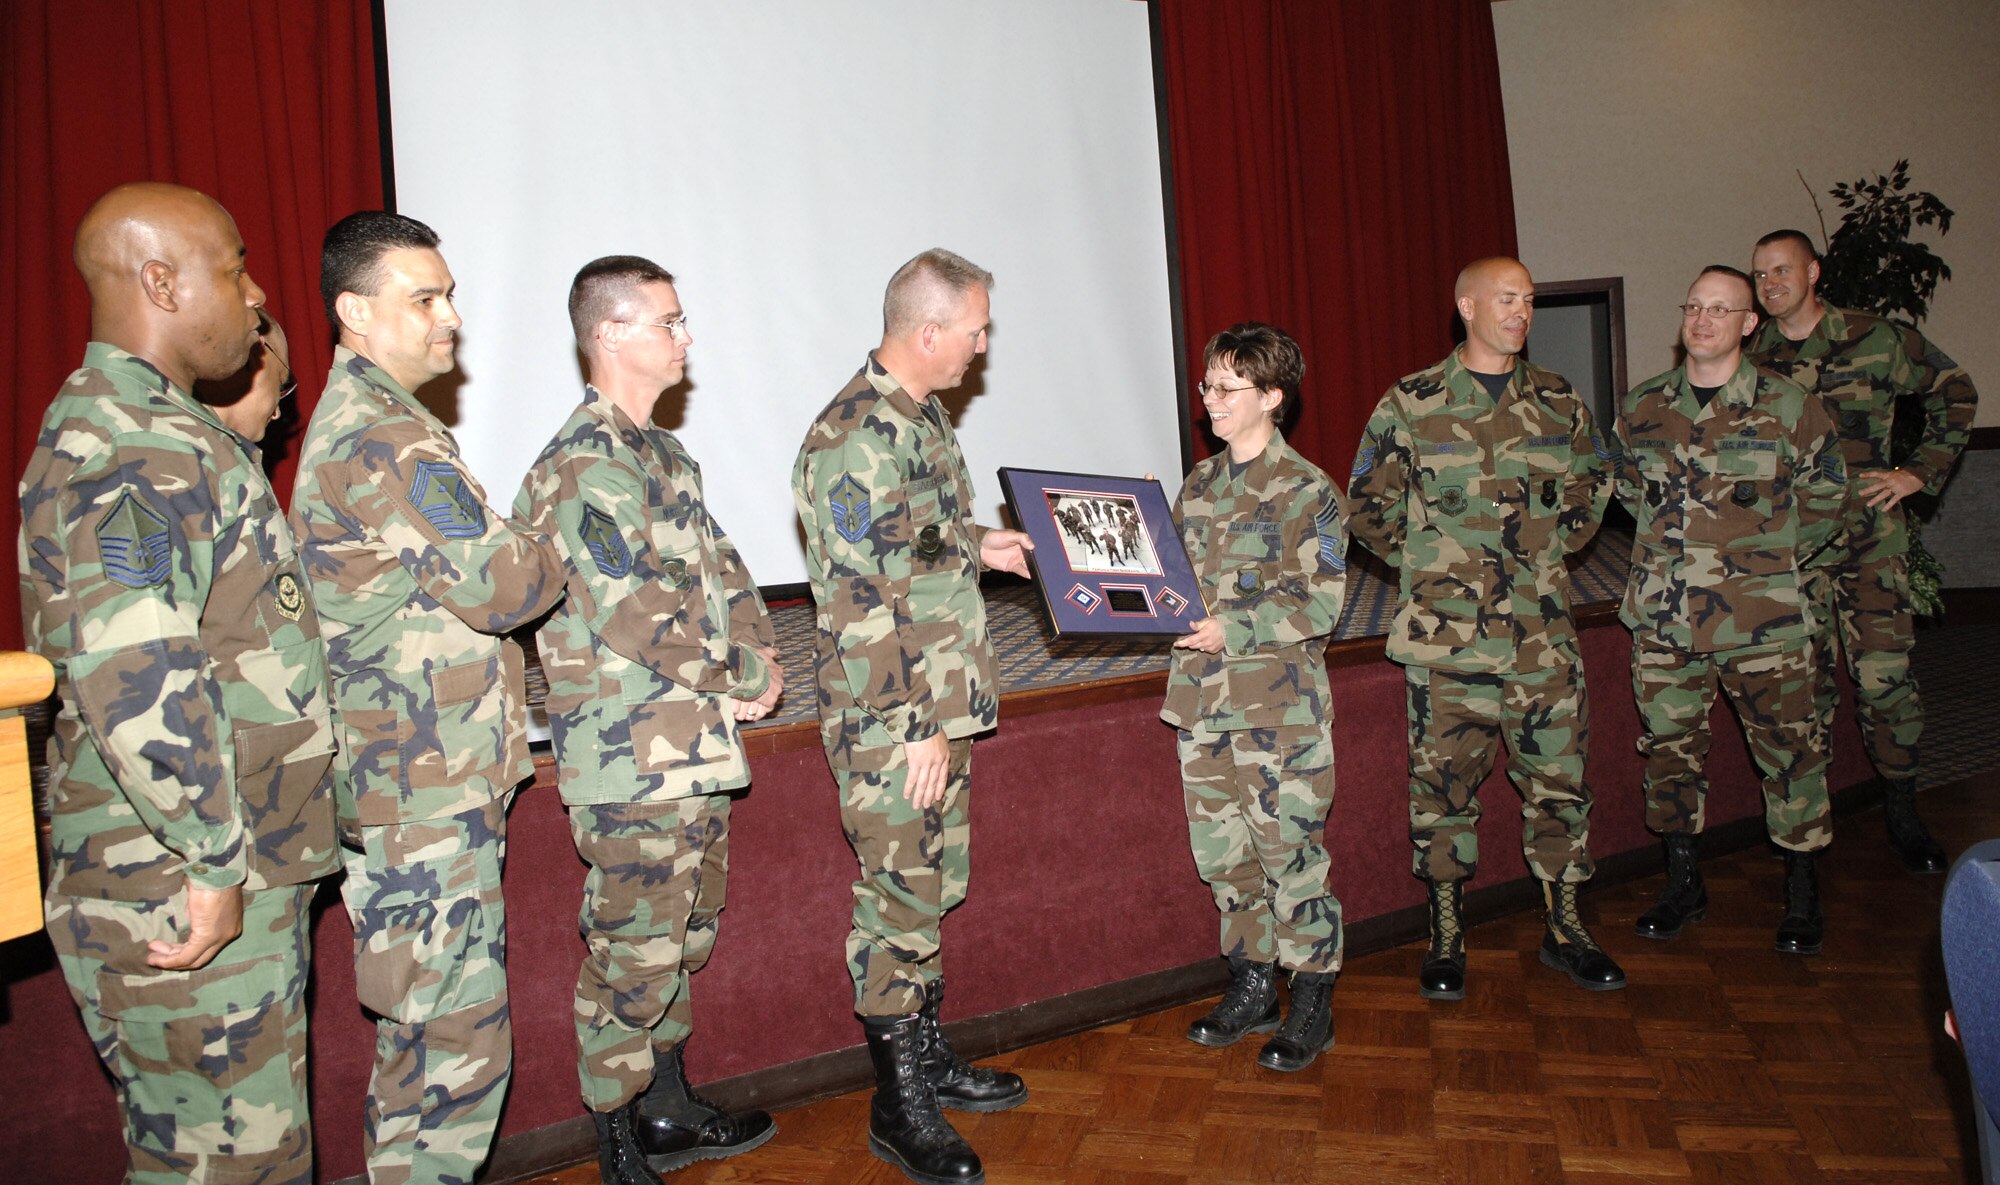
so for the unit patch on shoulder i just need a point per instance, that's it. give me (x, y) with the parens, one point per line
(133, 543)
(445, 498)
(852, 510)
(606, 545)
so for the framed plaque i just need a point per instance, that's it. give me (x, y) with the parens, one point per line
(1107, 557)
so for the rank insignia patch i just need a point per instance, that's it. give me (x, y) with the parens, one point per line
(1327, 524)
(1170, 600)
(601, 537)
(291, 598)
(1083, 599)
(133, 543)
(445, 499)
(852, 510)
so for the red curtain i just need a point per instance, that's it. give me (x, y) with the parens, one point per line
(1335, 164)
(268, 107)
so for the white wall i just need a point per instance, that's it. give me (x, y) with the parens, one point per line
(1650, 137)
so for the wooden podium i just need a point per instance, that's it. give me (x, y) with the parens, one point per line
(24, 679)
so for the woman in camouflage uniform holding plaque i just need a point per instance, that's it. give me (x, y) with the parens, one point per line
(1248, 692)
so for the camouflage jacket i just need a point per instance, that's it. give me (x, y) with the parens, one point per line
(1860, 363)
(893, 557)
(159, 577)
(1271, 553)
(660, 622)
(414, 579)
(1732, 501)
(1477, 501)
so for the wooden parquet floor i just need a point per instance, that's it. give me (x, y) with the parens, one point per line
(1722, 1062)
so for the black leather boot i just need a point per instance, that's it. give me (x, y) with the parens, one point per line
(1804, 928)
(1442, 976)
(1308, 1028)
(960, 1085)
(1907, 833)
(677, 1127)
(1685, 897)
(1249, 1006)
(1568, 947)
(905, 1126)
(620, 1160)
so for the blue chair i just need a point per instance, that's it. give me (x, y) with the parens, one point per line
(1970, 931)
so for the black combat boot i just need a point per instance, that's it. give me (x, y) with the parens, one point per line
(1685, 897)
(960, 1085)
(1308, 1027)
(620, 1160)
(677, 1127)
(1442, 976)
(905, 1126)
(1249, 1006)
(1804, 928)
(1907, 833)
(1569, 948)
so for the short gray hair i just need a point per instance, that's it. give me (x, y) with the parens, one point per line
(930, 288)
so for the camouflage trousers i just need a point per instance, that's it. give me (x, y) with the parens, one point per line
(1457, 722)
(1257, 803)
(1771, 687)
(650, 901)
(914, 866)
(210, 1064)
(1863, 608)
(430, 961)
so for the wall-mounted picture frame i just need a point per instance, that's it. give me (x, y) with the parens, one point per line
(1107, 558)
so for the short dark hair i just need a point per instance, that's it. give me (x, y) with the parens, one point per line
(1796, 236)
(1723, 269)
(350, 257)
(602, 285)
(1265, 355)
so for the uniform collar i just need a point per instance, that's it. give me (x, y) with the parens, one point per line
(346, 361)
(1739, 394)
(1257, 474)
(121, 363)
(1459, 381)
(891, 389)
(638, 437)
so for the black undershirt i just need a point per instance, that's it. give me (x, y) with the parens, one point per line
(1703, 395)
(1494, 383)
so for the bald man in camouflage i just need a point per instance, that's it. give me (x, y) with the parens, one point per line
(1475, 478)
(188, 779)
(906, 679)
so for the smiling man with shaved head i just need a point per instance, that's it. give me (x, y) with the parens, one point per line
(188, 779)
(1476, 478)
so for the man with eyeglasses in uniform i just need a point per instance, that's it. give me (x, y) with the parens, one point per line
(1476, 478)
(1861, 365)
(1737, 484)
(250, 401)
(661, 648)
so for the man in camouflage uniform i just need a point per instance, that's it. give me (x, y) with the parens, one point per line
(1476, 478)
(1248, 693)
(1734, 478)
(189, 760)
(1860, 365)
(906, 678)
(661, 647)
(416, 581)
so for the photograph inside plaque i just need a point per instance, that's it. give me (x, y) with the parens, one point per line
(1106, 558)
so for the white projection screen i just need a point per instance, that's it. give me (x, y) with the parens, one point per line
(782, 158)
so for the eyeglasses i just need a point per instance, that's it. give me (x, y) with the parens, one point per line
(676, 326)
(1204, 389)
(1717, 311)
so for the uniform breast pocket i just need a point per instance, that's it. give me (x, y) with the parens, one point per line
(1743, 480)
(933, 534)
(1548, 473)
(1455, 480)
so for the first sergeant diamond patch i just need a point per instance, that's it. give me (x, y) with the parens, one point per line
(133, 543)
(853, 511)
(445, 498)
(606, 544)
